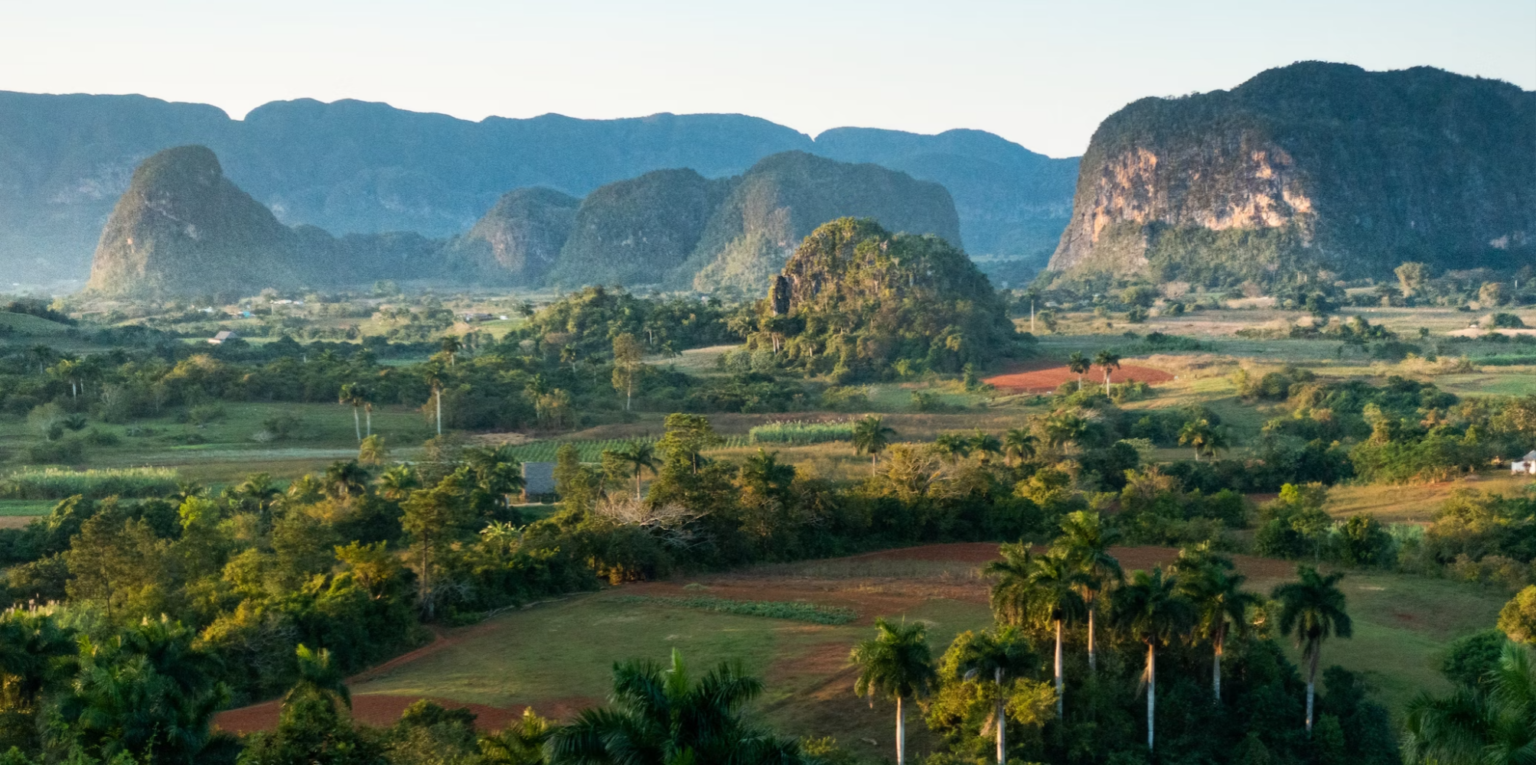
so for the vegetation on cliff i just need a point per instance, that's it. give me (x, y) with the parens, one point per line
(863, 303)
(519, 239)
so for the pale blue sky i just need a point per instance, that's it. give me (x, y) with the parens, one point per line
(1042, 74)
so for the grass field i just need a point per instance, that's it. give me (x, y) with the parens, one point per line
(1416, 503)
(557, 656)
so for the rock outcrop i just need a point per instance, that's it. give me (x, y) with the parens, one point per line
(1309, 167)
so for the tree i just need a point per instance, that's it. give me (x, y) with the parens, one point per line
(1018, 446)
(1411, 276)
(626, 365)
(1312, 609)
(984, 444)
(112, 560)
(434, 374)
(318, 679)
(1001, 656)
(638, 456)
(520, 743)
(1221, 604)
(1085, 543)
(345, 480)
(372, 451)
(1040, 590)
(1079, 365)
(1518, 617)
(661, 716)
(1493, 294)
(497, 473)
(396, 483)
(355, 395)
(953, 447)
(451, 346)
(1491, 723)
(1151, 609)
(1203, 437)
(432, 519)
(1107, 361)
(687, 436)
(896, 664)
(871, 436)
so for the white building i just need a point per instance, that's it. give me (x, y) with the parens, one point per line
(1524, 466)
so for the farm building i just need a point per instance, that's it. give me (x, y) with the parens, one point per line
(1524, 466)
(223, 335)
(538, 480)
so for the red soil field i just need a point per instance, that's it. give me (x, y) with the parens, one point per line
(1047, 380)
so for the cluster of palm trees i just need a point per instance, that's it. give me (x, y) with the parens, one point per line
(1199, 598)
(1106, 360)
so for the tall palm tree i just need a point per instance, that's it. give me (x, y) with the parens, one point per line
(1313, 610)
(1002, 655)
(451, 346)
(639, 456)
(1042, 590)
(1079, 365)
(1018, 445)
(1221, 605)
(1085, 543)
(372, 451)
(898, 665)
(660, 716)
(352, 393)
(434, 374)
(871, 436)
(1493, 723)
(1151, 609)
(1107, 361)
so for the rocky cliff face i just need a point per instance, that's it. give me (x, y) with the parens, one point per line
(183, 227)
(1312, 166)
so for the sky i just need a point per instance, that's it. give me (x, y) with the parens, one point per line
(1041, 74)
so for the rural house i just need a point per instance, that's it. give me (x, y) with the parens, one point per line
(1524, 466)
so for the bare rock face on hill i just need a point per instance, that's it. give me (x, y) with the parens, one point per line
(1309, 167)
(782, 199)
(183, 227)
(519, 240)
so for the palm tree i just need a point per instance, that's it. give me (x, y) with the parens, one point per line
(640, 456)
(871, 436)
(1042, 590)
(520, 743)
(1221, 605)
(1018, 445)
(1062, 428)
(898, 665)
(1150, 609)
(352, 393)
(1203, 437)
(372, 451)
(983, 444)
(660, 716)
(1079, 365)
(451, 347)
(318, 680)
(1313, 610)
(1002, 655)
(952, 446)
(398, 482)
(257, 493)
(345, 480)
(1085, 543)
(1107, 361)
(1493, 723)
(434, 376)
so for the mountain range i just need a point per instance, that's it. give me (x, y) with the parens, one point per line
(354, 167)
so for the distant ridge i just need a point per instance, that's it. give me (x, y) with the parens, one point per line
(358, 167)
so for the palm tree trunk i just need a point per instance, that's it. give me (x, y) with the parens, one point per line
(368, 418)
(1151, 692)
(1106, 382)
(1311, 686)
(901, 734)
(637, 484)
(357, 425)
(1059, 689)
(1002, 722)
(1093, 664)
(439, 393)
(1216, 666)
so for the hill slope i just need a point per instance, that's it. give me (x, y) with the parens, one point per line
(1309, 166)
(519, 240)
(782, 199)
(637, 231)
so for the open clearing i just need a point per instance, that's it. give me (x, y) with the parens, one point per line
(557, 656)
(1417, 502)
(1049, 379)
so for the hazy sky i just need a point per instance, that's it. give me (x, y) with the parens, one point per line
(1041, 74)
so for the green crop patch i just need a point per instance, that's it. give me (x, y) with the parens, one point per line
(798, 611)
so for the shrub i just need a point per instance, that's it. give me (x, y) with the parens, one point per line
(56, 483)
